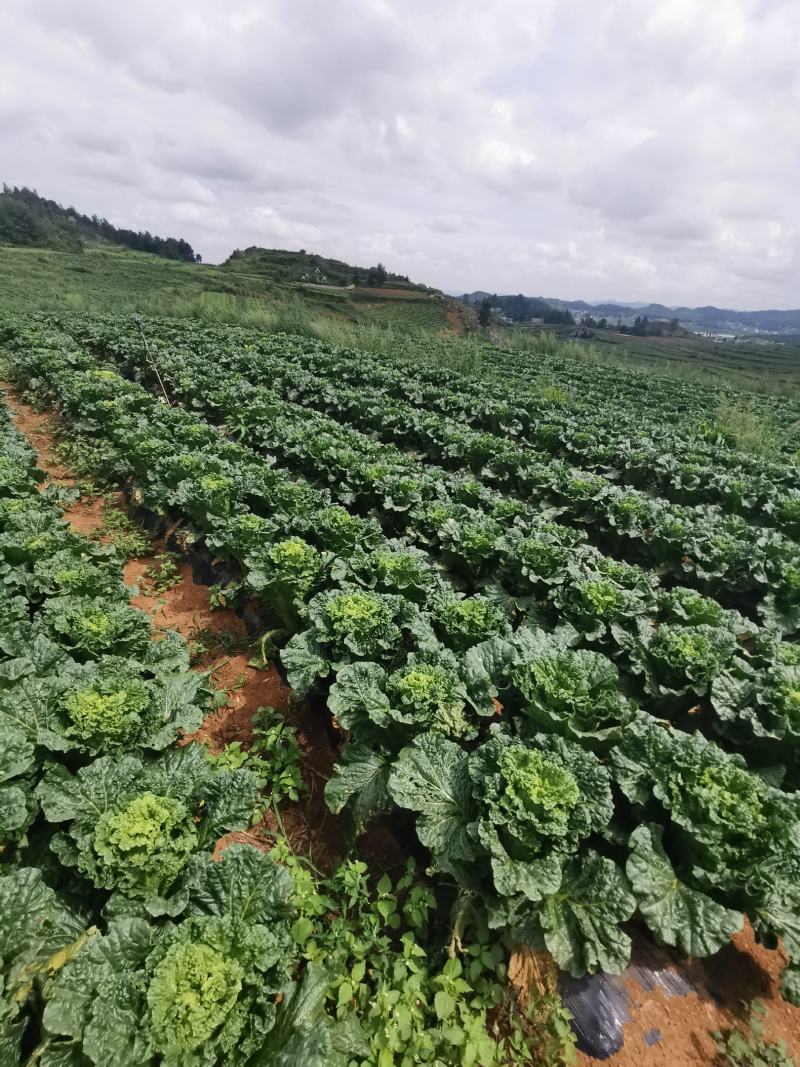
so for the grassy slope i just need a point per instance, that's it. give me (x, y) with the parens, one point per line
(744, 365)
(107, 280)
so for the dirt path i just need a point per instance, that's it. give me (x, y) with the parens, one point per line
(311, 828)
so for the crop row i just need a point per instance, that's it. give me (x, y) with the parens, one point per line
(721, 555)
(105, 822)
(124, 942)
(653, 456)
(649, 452)
(536, 782)
(638, 392)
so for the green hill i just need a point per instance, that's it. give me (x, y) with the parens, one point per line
(312, 295)
(104, 279)
(305, 267)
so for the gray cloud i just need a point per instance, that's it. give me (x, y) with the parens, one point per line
(578, 149)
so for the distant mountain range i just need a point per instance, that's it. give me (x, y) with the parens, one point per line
(709, 318)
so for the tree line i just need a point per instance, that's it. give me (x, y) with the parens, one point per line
(30, 220)
(521, 308)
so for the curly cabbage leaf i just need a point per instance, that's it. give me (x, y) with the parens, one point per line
(36, 928)
(359, 783)
(580, 924)
(677, 915)
(207, 992)
(431, 776)
(18, 805)
(132, 826)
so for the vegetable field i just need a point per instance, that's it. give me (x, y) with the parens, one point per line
(548, 613)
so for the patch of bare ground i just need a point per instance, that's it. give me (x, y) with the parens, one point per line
(666, 1026)
(674, 1031)
(455, 319)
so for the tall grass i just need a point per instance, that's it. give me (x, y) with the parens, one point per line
(749, 429)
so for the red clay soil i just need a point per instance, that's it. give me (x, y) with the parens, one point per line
(669, 1029)
(741, 972)
(724, 984)
(455, 320)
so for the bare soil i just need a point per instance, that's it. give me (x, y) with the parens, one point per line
(675, 1031)
(455, 320)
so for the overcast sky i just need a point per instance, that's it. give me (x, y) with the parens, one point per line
(635, 149)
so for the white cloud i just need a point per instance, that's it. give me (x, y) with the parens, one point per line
(565, 148)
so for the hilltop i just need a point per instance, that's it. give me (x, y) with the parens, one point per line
(281, 265)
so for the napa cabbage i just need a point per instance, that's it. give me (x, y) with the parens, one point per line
(594, 604)
(284, 577)
(732, 823)
(95, 626)
(141, 845)
(512, 822)
(112, 710)
(573, 692)
(462, 623)
(216, 990)
(131, 826)
(69, 572)
(393, 568)
(352, 624)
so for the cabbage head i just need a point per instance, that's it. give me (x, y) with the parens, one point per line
(574, 693)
